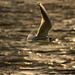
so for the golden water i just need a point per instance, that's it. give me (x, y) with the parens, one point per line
(18, 57)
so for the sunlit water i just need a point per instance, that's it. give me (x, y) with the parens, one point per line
(19, 57)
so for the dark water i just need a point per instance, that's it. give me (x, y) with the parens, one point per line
(18, 18)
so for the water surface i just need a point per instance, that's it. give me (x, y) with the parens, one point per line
(18, 18)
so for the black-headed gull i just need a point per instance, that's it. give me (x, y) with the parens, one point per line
(45, 26)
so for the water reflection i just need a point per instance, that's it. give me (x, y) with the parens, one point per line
(17, 57)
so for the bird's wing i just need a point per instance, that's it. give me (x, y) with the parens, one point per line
(45, 23)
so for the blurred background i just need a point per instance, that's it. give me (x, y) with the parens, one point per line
(18, 18)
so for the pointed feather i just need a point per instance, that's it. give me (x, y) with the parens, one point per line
(45, 23)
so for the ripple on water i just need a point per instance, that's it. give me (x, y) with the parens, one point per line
(17, 57)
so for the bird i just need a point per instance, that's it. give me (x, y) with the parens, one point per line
(45, 26)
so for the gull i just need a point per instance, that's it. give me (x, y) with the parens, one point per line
(45, 26)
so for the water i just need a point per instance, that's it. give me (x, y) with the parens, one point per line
(18, 57)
